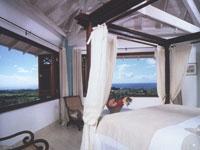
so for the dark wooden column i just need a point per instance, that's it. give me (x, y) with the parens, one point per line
(88, 56)
(167, 73)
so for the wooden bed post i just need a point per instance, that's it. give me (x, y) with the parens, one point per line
(88, 56)
(167, 73)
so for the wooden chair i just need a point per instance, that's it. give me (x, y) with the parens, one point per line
(75, 111)
(28, 143)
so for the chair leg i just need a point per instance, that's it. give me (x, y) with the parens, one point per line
(79, 127)
(69, 123)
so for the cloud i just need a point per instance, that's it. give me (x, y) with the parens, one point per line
(121, 70)
(128, 74)
(140, 78)
(18, 82)
(123, 66)
(33, 69)
(151, 61)
(20, 69)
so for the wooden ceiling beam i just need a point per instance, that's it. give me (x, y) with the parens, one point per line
(159, 15)
(193, 11)
(38, 13)
(131, 10)
(164, 7)
(190, 37)
(135, 34)
(27, 49)
(12, 44)
(38, 52)
(83, 20)
(71, 20)
(124, 20)
(25, 40)
(54, 8)
(111, 9)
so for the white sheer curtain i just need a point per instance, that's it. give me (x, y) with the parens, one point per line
(77, 73)
(160, 72)
(179, 55)
(103, 57)
(63, 85)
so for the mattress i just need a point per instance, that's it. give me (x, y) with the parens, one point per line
(149, 128)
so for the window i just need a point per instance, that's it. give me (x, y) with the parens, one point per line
(134, 76)
(27, 79)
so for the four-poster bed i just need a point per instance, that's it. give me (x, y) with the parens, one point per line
(117, 9)
(110, 128)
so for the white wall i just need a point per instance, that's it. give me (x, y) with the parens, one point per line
(31, 118)
(141, 102)
(138, 102)
(38, 116)
(190, 88)
(10, 10)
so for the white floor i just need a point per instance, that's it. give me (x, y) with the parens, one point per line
(61, 137)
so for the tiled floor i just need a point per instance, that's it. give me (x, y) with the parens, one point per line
(61, 137)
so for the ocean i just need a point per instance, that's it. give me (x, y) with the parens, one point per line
(135, 85)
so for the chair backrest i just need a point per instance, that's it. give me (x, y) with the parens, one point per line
(73, 103)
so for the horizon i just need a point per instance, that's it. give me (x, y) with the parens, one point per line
(10, 89)
(20, 71)
(136, 83)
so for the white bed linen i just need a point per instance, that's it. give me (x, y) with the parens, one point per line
(103, 142)
(173, 137)
(133, 130)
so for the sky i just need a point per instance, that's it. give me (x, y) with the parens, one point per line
(135, 70)
(18, 70)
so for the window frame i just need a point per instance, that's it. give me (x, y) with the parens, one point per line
(119, 56)
(56, 71)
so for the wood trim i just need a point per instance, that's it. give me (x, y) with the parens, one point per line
(84, 74)
(24, 39)
(135, 55)
(167, 74)
(135, 34)
(18, 106)
(136, 41)
(189, 37)
(83, 20)
(106, 12)
(126, 13)
(112, 9)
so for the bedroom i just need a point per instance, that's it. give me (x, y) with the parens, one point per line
(33, 25)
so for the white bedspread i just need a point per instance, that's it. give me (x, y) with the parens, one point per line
(175, 137)
(133, 130)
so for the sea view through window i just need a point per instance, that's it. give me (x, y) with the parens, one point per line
(134, 77)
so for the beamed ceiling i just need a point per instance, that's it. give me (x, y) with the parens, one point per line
(164, 18)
